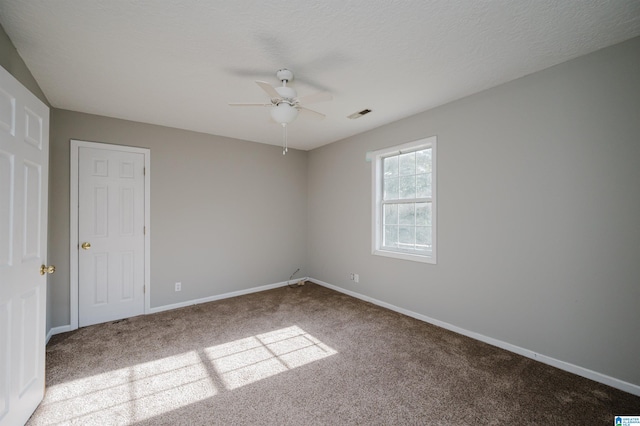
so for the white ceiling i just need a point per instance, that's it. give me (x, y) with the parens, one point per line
(179, 63)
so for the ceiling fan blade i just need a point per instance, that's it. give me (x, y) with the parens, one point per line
(311, 113)
(269, 89)
(252, 104)
(316, 97)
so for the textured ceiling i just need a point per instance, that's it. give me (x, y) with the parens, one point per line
(179, 63)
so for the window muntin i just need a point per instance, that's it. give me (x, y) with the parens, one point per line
(404, 201)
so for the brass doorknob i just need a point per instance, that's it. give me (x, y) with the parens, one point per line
(86, 246)
(44, 269)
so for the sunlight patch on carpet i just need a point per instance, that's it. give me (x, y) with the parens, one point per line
(248, 360)
(150, 389)
(130, 394)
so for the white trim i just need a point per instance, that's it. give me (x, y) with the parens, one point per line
(404, 256)
(73, 223)
(58, 330)
(562, 365)
(65, 328)
(296, 281)
(220, 296)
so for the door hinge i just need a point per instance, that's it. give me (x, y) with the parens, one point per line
(144, 230)
(144, 289)
(144, 171)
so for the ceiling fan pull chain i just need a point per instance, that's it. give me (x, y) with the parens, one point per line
(284, 143)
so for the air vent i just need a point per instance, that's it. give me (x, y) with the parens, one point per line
(359, 114)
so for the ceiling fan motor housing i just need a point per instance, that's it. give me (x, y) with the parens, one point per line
(286, 93)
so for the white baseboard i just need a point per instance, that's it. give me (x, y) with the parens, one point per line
(58, 330)
(65, 328)
(562, 365)
(571, 368)
(219, 297)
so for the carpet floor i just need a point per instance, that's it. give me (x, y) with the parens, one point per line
(305, 356)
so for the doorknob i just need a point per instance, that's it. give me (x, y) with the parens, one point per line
(86, 246)
(47, 269)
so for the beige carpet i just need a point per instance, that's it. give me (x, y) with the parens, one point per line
(305, 356)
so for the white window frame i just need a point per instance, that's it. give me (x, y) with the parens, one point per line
(377, 200)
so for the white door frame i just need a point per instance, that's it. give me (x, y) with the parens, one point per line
(73, 234)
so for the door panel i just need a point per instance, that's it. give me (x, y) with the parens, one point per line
(5, 359)
(24, 161)
(111, 220)
(27, 329)
(100, 211)
(7, 109)
(6, 208)
(32, 210)
(128, 275)
(100, 278)
(33, 128)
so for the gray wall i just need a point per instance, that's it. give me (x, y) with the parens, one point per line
(226, 214)
(11, 61)
(538, 214)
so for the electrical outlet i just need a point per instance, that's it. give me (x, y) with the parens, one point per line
(178, 286)
(356, 278)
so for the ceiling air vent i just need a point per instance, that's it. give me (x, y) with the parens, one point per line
(359, 114)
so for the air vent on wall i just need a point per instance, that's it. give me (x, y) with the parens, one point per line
(359, 114)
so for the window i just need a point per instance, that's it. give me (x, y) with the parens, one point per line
(404, 201)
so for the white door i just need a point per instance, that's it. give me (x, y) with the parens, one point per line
(24, 164)
(111, 242)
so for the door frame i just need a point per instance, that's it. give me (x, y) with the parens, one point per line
(73, 225)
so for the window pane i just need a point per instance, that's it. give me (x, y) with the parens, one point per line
(423, 238)
(423, 214)
(390, 236)
(423, 185)
(423, 161)
(406, 214)
(390, 214)
(404, 190)
(408, 164)
(406, 236)
(407, 187)
(391, 189)
(391, 166)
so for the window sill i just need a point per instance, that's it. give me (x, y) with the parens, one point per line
(405, 256)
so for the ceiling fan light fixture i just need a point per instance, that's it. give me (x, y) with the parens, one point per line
(283, 113)
(285, 105)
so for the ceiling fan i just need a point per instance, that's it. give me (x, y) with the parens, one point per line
(285, 104)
